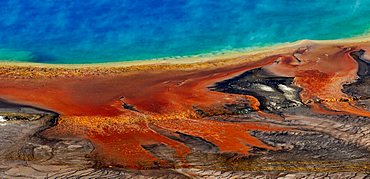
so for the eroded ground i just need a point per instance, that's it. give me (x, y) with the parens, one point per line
(301, 111)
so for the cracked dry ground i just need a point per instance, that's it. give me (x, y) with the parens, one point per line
(300, 113)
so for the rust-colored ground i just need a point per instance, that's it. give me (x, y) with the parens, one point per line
(91, 106)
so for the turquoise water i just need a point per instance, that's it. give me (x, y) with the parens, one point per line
(91, 31)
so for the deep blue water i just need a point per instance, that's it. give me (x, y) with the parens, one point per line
(90, 31)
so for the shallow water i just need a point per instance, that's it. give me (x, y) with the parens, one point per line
(111, 30)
